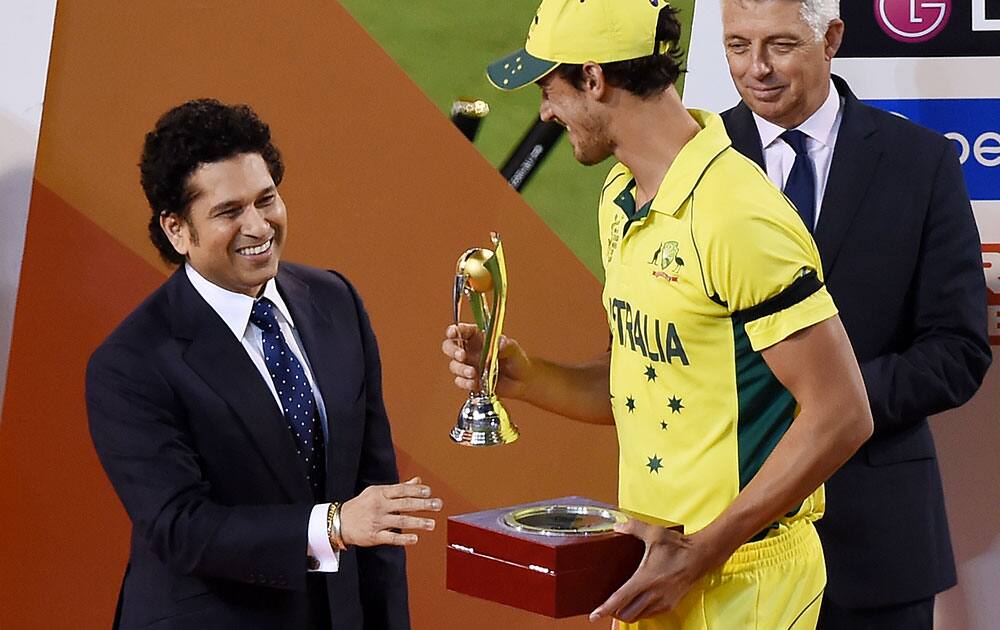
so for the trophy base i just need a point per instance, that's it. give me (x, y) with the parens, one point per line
(483, 421)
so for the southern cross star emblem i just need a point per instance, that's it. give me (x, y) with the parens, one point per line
(655, 464)
(675, 404)
(630, 403)
(650, 373)
(663, 425)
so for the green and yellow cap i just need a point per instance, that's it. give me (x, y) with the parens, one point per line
(578, 31)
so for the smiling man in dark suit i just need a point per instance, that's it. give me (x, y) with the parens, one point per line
(238, 410)
(888, 208)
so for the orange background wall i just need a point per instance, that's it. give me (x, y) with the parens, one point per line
(379, 186)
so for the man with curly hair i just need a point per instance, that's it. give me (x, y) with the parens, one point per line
(238, 410)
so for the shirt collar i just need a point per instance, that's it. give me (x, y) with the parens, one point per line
(691, 162)
(819, 126)
(234, 308)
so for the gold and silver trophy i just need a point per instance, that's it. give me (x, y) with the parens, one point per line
(481, 278)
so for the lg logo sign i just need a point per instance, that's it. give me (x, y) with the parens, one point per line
(912, 21)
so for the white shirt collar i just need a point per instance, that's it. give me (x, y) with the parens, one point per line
(819, 126)
(234, 308)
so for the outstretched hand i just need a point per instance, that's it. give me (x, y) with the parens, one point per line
(371, 517)
(671, 565)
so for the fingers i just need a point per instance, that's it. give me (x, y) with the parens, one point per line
(452, 349)
(638, 607)
(411, 496)
(395, 506)
(646, 532)
(465, 331)
(634, 527)
(668, 569)
(400, 521)
(375, 516)
(620, 598)
(507, 347)
(634, 600)
(466, 376)
(387, 537)
(462, 370)
(409, 488)
(391, 523)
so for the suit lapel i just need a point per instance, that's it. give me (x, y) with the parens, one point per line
(852, 172)
(218, 358)
(325, 343)
(743, 132)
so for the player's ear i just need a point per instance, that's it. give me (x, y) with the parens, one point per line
(594, 81)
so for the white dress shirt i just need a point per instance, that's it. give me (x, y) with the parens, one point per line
(234, 309)
(821, 131)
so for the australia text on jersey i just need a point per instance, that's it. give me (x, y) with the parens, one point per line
(639, 332)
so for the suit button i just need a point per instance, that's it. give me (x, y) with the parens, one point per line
(312, 563)
(253, 578)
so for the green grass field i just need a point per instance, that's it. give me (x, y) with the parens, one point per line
(444, 47)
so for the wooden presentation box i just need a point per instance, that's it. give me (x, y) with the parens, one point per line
(557, 576)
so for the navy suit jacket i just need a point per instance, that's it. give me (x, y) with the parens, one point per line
(197, 450)
(902, 259)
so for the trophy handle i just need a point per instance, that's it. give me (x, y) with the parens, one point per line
(460, 280)
(491, 335)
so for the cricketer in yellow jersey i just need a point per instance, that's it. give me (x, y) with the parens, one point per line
(730, 379)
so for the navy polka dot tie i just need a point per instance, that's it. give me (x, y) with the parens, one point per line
(296, 394)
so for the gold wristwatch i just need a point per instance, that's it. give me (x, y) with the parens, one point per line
(333, 527)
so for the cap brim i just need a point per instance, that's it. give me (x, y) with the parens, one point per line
(517, 70)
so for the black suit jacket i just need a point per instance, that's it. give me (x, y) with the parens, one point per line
(199, 454)
(901, 256)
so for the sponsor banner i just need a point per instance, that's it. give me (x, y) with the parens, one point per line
(991, 267)
(921, 28)
(916, 77)
(972, 124)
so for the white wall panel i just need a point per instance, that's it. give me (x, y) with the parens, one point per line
(25, 41)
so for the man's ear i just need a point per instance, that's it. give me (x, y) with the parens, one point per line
(593, 80)
(833, 38)
(176, 230)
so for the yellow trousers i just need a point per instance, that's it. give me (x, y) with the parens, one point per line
(773, 584)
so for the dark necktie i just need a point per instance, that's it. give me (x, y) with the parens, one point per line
(297, 401)
(801, 184)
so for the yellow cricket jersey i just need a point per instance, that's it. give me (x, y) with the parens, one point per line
(716, 268)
